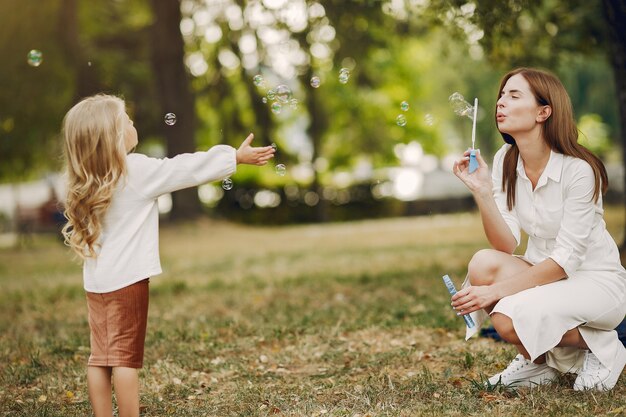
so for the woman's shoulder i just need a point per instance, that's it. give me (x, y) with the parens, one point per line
(573, 162)
(575, 169)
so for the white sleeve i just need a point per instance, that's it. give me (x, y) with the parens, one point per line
(510, 217)
(152, 177)
(578, 219)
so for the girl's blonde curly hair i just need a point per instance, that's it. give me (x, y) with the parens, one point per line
(95, 154)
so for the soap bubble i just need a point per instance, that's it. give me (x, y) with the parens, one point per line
(401, 120)
(271, 94)
(344, 75)
(293, 103)
(273, 145)
(258, 80)
(227, 184)
(283, 93)
(404, 106)
(460, 106)
(429, 119)
(315, 81)
(264, 99)
(35, 57)
(281, 170)
(170, 119)
(276, 107)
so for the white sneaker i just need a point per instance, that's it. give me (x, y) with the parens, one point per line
(523, 373)
(596, 376)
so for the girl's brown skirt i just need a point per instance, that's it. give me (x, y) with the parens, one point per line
(118, 321)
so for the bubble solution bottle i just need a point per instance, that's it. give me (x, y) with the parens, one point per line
(452, 291)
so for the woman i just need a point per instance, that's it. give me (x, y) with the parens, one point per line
(559, 303)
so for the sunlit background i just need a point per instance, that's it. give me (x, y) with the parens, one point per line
(354, 95)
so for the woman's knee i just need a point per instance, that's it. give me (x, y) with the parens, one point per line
(483, 267)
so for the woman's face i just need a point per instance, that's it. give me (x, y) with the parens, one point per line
(517, 108)
(130, 135)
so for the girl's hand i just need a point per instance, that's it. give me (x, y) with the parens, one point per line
(474, 298)
(247, 154)
(478, 181)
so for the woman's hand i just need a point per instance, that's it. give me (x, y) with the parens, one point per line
(474, 298)
(478, 181)
(247, 154)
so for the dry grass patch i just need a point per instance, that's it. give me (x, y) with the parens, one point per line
(322, 320)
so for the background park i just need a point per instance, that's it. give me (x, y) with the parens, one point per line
(309, 291)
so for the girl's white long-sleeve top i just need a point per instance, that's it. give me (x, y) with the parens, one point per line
(128, 249)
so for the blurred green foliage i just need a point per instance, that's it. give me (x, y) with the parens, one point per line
(418, 52)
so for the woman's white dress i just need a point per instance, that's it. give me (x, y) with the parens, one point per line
(563, 223)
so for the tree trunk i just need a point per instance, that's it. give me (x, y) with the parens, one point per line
(317, 127)
(175, 95)
(615, 15)
(86, 79)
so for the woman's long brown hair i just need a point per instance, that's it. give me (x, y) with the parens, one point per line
(559, 131)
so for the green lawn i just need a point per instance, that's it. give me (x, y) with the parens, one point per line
(347, 319)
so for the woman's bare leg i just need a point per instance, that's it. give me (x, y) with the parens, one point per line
(504, 326)
(573, 338)
(487, 267)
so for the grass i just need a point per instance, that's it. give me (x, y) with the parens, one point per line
(346, 319)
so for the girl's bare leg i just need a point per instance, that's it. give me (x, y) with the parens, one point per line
(99, 386)
(126, 383)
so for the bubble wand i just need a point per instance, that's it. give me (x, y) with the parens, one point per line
(473, 163)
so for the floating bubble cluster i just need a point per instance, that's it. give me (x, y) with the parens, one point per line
(276, 107)
(35, 57)
(227, 184)
(170, 119)
(344, 75)
(460, 106)
(258, 80)
(283, 93)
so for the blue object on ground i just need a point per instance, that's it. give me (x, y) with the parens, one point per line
(491, 332)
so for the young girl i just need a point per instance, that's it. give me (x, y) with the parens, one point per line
(112, 225)
(559, 303)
